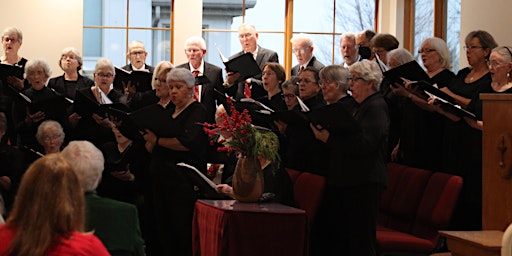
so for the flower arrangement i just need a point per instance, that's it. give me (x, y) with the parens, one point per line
(240, 136)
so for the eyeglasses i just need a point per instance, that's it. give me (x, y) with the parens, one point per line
(192, 50)
(299, 51)
(472, 47)
(493, 64)
(356, 78)
(158, 80)
(9, 39)
(103, 75)
(140, 53)
(246, 35)
(326, 82)
(426, 50)
(71, 57)
(307, 81)
(268, 73)
(52, 137)
(290, 96)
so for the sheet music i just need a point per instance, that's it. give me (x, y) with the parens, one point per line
(302, 105)
(210, 183)
(222, 57)
(251, 100)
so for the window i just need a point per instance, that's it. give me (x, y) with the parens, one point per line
(109, 26)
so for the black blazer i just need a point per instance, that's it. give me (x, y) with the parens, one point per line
(257, 91)
(59, 85)
(312, 63)
(208, 95)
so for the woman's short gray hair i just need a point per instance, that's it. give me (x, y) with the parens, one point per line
(104, 63)
(183, 75)
(369, 71)
(44, 126)
(75, 52)
(36, 63)
(336, 73)
(13, 31)
(400, 55)
(441, 48)
(87, 162)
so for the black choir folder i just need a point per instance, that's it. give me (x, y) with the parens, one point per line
(452, 108)
(243, 64)
(141, 79)
(7, 70)
(85, 106)
(204, 186)
(153, 117)
(413, 72)
(334, 117)
(54, 107)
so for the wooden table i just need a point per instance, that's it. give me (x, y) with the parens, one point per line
(228, 227)
(474, 243)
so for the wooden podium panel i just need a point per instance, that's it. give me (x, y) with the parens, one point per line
(474, 243)
(497, 166)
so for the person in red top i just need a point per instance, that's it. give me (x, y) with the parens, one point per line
(48, 214)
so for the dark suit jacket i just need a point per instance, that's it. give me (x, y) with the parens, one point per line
(115, 223)
(148, 67)
(257, 91)
(208, 95)
(312, 63)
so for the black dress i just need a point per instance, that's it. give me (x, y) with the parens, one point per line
(68, 88)
(346, 220)
(173, 193)
(422, 132)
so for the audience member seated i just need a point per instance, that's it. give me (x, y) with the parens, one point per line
(51, 136)
(48, 215)
(302, 47)
(277, 184)
(115, 223)
(11, 161)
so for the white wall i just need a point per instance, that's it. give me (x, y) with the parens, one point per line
(47, 26)
(492, 16)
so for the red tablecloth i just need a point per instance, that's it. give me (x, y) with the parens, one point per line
(228, 227)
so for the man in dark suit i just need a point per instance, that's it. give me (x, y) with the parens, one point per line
(137, 55)
(252, 87)
(302, 46)
(195, 49)
(115, 223)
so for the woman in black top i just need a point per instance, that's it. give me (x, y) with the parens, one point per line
(71, 62)
(183, 141)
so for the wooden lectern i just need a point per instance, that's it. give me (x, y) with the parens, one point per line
(496, 181)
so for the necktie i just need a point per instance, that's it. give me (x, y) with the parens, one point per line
(301, 69)
(247, 90)
(196, 87)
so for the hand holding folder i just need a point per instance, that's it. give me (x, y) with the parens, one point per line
(452, 108)
(140, 79)
(243, 64)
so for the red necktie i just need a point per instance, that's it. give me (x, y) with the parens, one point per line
(196, 87)
(247, 90)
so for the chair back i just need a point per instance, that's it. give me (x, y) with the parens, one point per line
(308, 190)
